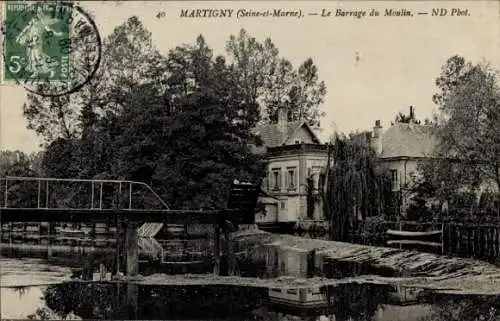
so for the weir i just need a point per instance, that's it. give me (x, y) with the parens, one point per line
(432, 272)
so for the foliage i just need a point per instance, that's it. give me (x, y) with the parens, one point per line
(357, 302)
(468, 146)
(180, 122)
(357, 187)
(476, 309)
(410, 118)
(43, 314)
(271, 80)
(373, 230)
(108, 302)
(223, 125)
(19, 164)
(312, 197)
(85, 300)
(472, 108)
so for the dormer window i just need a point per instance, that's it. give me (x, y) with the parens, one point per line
(297, 142)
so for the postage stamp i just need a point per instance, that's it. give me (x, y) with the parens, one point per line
(35, 45)
(47, 47)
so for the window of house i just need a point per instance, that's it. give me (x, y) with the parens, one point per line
(275, 179)
(283, 205)
(291, 180)
(394, 178)
(317, 172)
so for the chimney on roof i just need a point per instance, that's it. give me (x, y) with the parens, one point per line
(377, 129)
(412, 115)
(377, 137)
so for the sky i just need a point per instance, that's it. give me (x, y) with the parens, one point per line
(373, 67)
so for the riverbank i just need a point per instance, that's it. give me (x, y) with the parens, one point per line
(440, 274)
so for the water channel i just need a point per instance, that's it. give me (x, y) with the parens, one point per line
(351, 301)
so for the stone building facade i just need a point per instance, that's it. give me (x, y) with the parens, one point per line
(294, 153)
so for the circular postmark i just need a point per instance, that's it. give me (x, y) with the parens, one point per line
(51, 49)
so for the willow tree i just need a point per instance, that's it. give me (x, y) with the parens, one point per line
(357, 185)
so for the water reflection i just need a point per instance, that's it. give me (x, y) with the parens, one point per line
(343, 302)
(465, 307)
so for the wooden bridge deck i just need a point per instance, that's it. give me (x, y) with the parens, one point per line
(130, 215)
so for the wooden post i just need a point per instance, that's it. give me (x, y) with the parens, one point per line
(132, 249)
(11, 237)
(473, 242)
(490, 242)
(228, 250)
(132, 266)
(495, 241)
(401, 229)
(216, 249)
(49, 243)
(442, 238)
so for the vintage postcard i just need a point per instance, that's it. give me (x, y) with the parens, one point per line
(250, 160)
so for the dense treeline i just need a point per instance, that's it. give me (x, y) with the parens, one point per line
(180, 122)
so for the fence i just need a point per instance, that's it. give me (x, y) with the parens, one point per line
(481, 241)
(464, 239)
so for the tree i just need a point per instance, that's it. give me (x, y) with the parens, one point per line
(357, 186)
(469, 100)
(202, 162)
(276, 91)
(253, 61)
(307, 93)
(128, 58)
(79, 130)
(58, 160)
(8, 158)
(266, 78)
(312, 197)
(181, 123)
(18, 164)
(441, 181)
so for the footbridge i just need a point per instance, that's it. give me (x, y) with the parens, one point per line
(133, 206)
(35, 199)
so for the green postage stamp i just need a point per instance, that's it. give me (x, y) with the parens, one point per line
(36, 42)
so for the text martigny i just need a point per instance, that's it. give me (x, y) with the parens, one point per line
(240, 13)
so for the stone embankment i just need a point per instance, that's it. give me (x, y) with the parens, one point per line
(409, 268)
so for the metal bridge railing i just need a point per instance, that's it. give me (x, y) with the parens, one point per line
(44, 192)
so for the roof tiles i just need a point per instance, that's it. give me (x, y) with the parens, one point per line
(408, 140)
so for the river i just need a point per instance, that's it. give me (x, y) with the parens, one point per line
(350, 302)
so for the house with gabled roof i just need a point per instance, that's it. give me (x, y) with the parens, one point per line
(400, 148)
(294, 153)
